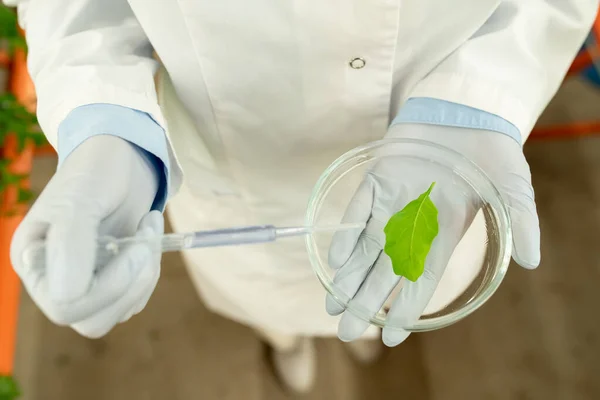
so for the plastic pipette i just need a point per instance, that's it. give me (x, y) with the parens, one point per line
(108, 247)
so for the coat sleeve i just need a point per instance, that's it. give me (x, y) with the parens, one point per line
(84, 52)
(513, 65)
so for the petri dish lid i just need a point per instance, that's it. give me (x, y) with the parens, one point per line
(478, 263)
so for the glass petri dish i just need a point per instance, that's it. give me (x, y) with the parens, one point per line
(479, 262)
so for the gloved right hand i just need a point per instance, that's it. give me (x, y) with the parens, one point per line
(365, 276)
(106, 186)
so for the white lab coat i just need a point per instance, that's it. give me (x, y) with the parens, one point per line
(272, 100)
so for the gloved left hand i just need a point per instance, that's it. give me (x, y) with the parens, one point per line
(368, 279)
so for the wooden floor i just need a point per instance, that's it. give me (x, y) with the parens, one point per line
(537, 338)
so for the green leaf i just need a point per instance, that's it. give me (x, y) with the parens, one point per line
(39, 139)
(17, 42)
(8, 23)
(10, 179)
(24, 196)
(409, 234)
(10, 213)
(9, 390)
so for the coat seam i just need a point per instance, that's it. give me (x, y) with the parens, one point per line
(226, 158)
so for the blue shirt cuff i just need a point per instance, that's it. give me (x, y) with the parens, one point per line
(425, 110)
(132, 125)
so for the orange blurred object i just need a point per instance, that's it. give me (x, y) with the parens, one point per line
(575, 129)
(11, 214)
(21, 84)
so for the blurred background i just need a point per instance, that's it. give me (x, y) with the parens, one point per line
(537, 338)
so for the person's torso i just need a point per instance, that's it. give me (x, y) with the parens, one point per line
(271, 86)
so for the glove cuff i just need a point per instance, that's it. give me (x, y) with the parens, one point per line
(424, 110)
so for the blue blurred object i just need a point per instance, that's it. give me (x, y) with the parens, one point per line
(591, 75)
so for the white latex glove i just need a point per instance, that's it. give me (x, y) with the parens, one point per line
(106, 186)
(388, 188)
